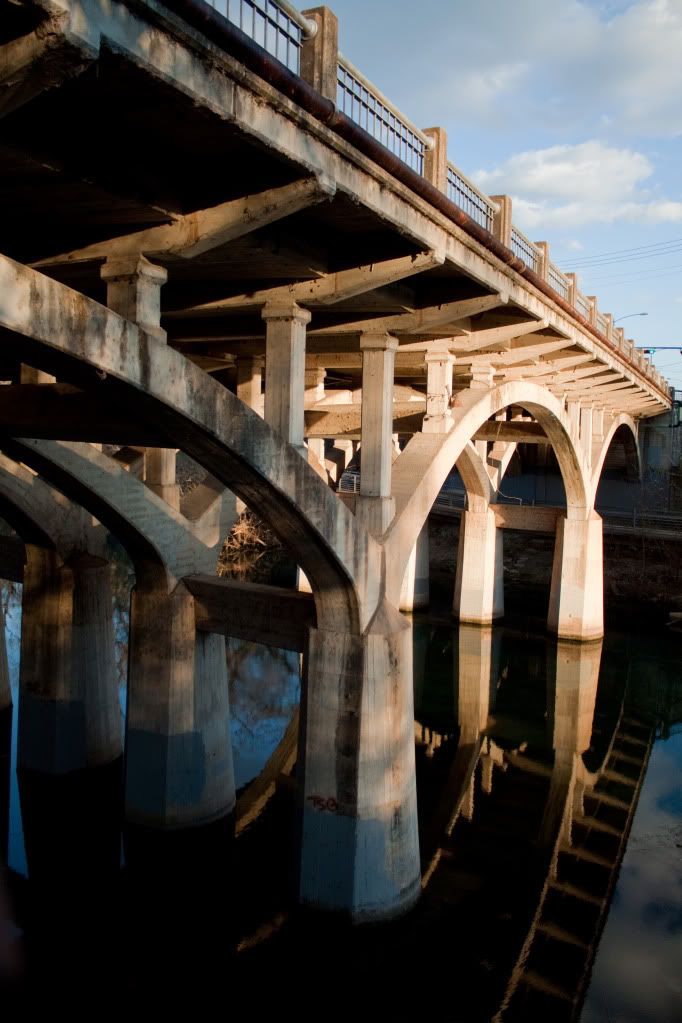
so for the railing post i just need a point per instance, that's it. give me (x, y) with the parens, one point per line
(320, 55)
(609, 325)
(543, 260)
(572, 289)
(436, 159)
(502, 220)
(592, 299)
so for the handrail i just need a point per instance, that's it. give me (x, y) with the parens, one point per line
(524, 248)
(469, 198)
(558, 280)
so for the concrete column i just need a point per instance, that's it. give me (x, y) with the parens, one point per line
(576, 604)
(598, 424)
(573, 410)
(438, 418)
(339, 458)
(94, 668)
(134, 292)
(285, 370)
(159, 470)
(436, 159)
(375, 506)
(5, 690)
(51, 714)
(69, 716)
(249, 381)
(320, 54)
(415, 588)
(359, 848)
(586, 431)
(502, 219)
(179, 770)
(479, 584)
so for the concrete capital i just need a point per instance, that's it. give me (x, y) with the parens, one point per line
(439, 356)
(285, 311)
(378, 342)
(133, 267)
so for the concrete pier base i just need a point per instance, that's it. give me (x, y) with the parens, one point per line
(179, 770)
(479, 583)
(576, 604)
(69, 716)
(415, 588)
(359, 848)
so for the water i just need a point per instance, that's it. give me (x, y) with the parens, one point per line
(515, 751)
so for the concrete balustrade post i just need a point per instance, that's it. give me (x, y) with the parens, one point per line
(543, 262)
(479, 583)
(320, 54)
(285, 370)
(436, 159)
(375, 507)
(359, 848)
(179, 770)
(502, 220)
(576, 604)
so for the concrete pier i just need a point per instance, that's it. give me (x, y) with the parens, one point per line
(576, 605)
(359, 848)
(479, 583)
(178, 771)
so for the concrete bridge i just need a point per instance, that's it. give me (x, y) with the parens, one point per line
(226, 241)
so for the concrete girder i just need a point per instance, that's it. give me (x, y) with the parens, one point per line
(477, 340)
(191, 235)
(325, 290)
(164, 49)
(423, 321)
(421, 469)
(212, 425)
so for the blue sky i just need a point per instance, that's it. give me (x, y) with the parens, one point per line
(573, 109)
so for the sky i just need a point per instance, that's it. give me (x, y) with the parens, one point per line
(574, 109)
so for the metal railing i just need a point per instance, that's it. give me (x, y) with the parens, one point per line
(602, 323)
(369, 108)
(524, 249)
(583, 306)
(349, 483)
(469, 198)
(558, 281)
(277, 27)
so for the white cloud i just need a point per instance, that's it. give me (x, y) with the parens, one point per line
(581, 184)
(574, 245)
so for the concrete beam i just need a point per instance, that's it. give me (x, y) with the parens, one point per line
(476, 340)
(519, 432)
(515, 355)
(345, 420)
(39, 61)
(259, 614)
(422, 321)
(530, 519)
(325, 290)
(203, 230)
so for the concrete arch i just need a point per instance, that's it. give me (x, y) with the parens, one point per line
(44, 517)
(421, 470)
(70, 335)
(156, 537)
(630, 437)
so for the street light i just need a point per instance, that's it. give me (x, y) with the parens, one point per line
(628, 315)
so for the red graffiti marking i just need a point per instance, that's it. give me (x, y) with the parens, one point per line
(320, 803)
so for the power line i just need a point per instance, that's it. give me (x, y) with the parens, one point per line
(580, 261)
(671, 250)
(658, 271)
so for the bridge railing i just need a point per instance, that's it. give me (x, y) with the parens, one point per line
(283, 32)
(360, 100)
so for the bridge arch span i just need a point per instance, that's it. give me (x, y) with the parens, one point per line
(422, 468)
(63, 331)
(624, 429)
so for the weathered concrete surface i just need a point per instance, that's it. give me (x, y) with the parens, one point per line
(359, 849)
(479, 582)
(576, 603)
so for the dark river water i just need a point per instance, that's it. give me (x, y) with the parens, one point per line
(550, 814)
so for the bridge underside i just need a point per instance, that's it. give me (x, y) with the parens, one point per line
(192, 261)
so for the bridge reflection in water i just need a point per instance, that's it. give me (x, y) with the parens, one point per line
(531, 754)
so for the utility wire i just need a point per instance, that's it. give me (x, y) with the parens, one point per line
(625, 253)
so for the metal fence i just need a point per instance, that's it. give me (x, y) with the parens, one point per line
(582, 305)
(468, 198)
(524, 249)
(270, 25)
(367, 107)
(558, 281)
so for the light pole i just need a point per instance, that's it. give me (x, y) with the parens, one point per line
(628, 315)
